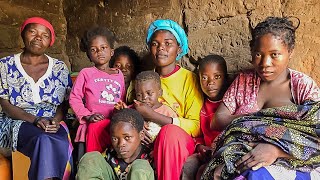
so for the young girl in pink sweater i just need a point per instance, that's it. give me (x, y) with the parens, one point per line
(96, 90)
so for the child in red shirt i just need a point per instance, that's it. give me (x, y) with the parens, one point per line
(213, 81)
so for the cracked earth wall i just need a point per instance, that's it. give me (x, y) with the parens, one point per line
(213, 26)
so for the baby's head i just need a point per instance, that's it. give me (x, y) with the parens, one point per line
(272, 45)
(127, 60)
(213, 76)
(98, 43)
(126, 131)
(148, 88)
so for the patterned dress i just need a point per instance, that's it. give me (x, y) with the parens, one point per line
(241, 98)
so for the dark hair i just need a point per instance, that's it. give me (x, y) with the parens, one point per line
(94, 32)
(277, 26)
(128, 115)
(214, 59)
(149, 75)
(127, 51)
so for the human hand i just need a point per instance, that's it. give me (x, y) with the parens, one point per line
(95, 118)
(143, 109)
(262, 154)
(53, 127)
(41, 123)
(146, 125)
(120, 105)
(204, 151)
(147, 138)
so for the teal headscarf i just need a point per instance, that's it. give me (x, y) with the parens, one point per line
(175, 29)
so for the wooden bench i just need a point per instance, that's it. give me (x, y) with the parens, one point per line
(20, 166)
(5, 169)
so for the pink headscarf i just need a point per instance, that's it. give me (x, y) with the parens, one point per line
(39, 20)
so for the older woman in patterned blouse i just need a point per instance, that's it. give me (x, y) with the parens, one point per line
(33, 88)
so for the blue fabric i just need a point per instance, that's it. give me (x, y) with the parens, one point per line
(48, 151)
(175, 29)
(303, 175)
(260, 174)
(263, 174)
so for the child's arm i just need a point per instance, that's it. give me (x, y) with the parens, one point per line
(76, 97)
(120, 105)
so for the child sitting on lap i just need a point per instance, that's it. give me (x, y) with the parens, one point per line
(148, 91)
(127, 160)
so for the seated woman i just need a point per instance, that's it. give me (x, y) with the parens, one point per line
(33, 88)
(167, 43)
(276, 135)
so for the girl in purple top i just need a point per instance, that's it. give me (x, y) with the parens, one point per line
(96, 90)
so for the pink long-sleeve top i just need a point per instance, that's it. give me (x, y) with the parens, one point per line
(95, 91)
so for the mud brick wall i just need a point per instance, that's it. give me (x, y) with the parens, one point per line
(219, 27)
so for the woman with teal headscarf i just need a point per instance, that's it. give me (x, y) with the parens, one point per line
(168, 42)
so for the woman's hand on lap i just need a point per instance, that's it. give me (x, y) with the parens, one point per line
(262, 154)
(42, 123)
(49, 126)
(53, 127)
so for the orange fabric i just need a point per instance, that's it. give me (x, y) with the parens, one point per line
(5, 170)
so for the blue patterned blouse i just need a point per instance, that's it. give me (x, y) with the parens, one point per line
(39, 98)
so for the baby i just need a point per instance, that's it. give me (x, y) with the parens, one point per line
(148, 92)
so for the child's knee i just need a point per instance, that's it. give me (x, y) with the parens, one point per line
(141, 169)
(91, 158)
(140, 164)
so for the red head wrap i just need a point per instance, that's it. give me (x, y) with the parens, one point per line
(39, 20)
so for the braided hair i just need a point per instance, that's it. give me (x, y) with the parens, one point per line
(277, 26)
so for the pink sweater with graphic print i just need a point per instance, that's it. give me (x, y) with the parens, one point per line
(95, 91)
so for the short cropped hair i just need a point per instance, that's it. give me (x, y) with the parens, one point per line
(149, 75)
(214, 59)
(128, 115)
